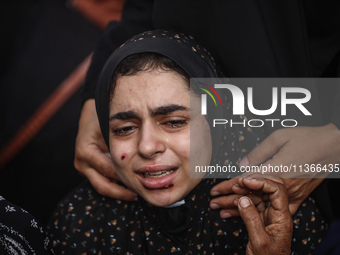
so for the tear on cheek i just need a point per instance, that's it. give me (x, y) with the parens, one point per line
(123, 156)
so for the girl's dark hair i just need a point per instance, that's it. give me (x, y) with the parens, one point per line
(146, 61)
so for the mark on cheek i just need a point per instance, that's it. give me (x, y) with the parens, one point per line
(123, 156)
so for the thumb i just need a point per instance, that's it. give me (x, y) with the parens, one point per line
(265, 150)
(255, 227)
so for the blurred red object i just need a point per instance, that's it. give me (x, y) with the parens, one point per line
(100, 12)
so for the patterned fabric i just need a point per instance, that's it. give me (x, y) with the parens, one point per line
(20, 232)
(87, 223)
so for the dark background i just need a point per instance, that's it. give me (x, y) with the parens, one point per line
(42, 42)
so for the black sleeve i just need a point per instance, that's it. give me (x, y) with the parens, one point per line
(136, 18)
(335, 66)
(20, 231)
(336, 109)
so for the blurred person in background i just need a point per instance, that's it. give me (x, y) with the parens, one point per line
(42, 43)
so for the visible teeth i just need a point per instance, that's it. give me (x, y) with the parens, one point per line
(157, 174)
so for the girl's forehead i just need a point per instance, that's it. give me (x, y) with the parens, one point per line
(152, 81)
(150, 89)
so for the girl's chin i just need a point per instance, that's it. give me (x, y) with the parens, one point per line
(162, 198)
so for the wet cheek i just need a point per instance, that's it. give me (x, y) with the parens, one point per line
(183, 145)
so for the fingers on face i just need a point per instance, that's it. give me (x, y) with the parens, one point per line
(102, 163)
(106, 187)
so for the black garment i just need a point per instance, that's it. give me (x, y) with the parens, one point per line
(250, 38)
(330, 245)
(21, 232)
(51, 41)
(88, 222)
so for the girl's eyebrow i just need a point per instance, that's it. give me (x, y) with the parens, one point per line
(162, 110)
(167, 109)
(124, 116)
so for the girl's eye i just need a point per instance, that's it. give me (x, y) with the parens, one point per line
(176, 123)
(123, 131)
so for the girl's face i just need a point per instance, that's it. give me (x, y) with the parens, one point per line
(150, 121)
